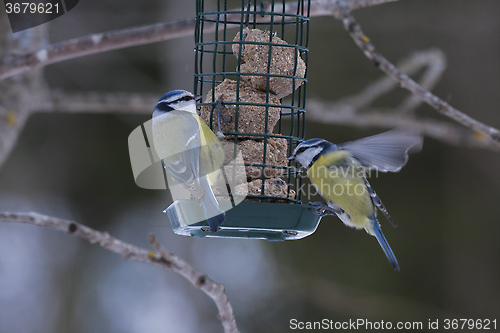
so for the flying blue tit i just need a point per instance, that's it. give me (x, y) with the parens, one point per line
(338, 173)
(189, 150)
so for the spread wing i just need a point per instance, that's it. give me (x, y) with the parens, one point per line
(387, 151)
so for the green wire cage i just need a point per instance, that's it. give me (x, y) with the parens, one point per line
(250, 71)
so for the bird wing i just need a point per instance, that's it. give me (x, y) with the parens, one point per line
(211, 152)
(377, 202)
(387, 151)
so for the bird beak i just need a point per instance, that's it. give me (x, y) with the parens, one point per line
(291, 158)
(197, 98)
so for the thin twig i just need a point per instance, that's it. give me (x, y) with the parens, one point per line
(18, 63)
(327, 113)
(95, 43)
(434, 62)
(216, 291)
(355, 110)
(163, 258)
(406, 82)
(98, 102)
(338, 113)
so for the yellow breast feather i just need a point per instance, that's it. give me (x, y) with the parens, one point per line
(211, 149)
(338, 179)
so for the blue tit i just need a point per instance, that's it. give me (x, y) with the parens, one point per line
(190, 151)
(338, 173)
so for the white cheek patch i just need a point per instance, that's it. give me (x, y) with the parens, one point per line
(191, 107)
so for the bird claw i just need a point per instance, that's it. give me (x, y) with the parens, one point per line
(322, 209)
(224, 119)
(220, 135)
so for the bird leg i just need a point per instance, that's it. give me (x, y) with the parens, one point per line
(218, 110)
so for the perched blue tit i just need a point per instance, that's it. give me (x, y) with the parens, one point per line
(189, 150)
(338, 173)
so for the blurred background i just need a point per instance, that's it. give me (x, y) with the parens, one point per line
(446, 201)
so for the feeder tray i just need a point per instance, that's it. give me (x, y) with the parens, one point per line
(247, 220)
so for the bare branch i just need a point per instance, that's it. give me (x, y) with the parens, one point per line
(126, 102)
(433, 59)
(98, 102)
(19, 94)
(355, 110)
(381, 62)
(163, 258)
(334, 7)
(95, 43)
(18, 63)
(341, 112)
(199, 280)
(328, 113)
(484, 136)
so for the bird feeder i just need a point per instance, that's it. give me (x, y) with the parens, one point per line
(250, 70)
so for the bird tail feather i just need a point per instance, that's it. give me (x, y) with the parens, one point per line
(215, 216)
(377, 232)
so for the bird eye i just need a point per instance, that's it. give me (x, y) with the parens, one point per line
(186, 98)
(301, 150)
